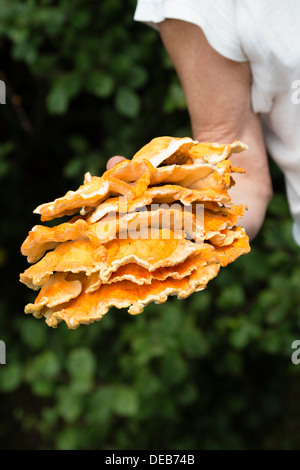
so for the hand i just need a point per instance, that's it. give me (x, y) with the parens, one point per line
(113, 161)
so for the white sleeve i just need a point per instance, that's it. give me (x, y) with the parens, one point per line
(216, 19)
(296, 232)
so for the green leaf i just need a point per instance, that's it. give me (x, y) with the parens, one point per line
(69, 438)
(243, 333)
(144, 349)
(193, 342)
(25, 51)
(44, 366)
(34, 333)
(42, 387)
(231, 297)
(188, 395)
(78, 144)
(100, 405)
(100, 84)
(69, 405)
(175, 98)
(254, 266)
(171, 320)
(201, 301)
(174, 368)
(278, 206)
(10, 377)
(63, 90)
(81, 363)
(271, 342)
(137, 77)
(147, 383)
(126, 402)
(81, 18)
(74, 167)
(127, 102)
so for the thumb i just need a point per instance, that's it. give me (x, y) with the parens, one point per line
(113, 161)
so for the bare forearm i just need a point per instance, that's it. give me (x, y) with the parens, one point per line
(218, 93)
(253, 188)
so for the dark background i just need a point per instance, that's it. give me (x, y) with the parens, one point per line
(85, 82)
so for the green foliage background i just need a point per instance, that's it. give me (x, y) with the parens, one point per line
(85, 82)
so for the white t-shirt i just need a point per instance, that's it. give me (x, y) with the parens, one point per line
(267, 34)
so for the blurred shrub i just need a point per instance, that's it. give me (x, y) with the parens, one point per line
(84, 82)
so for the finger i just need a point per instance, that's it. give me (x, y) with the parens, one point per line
(113, 161)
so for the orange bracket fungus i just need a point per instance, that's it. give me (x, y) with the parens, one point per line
(157, 225)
